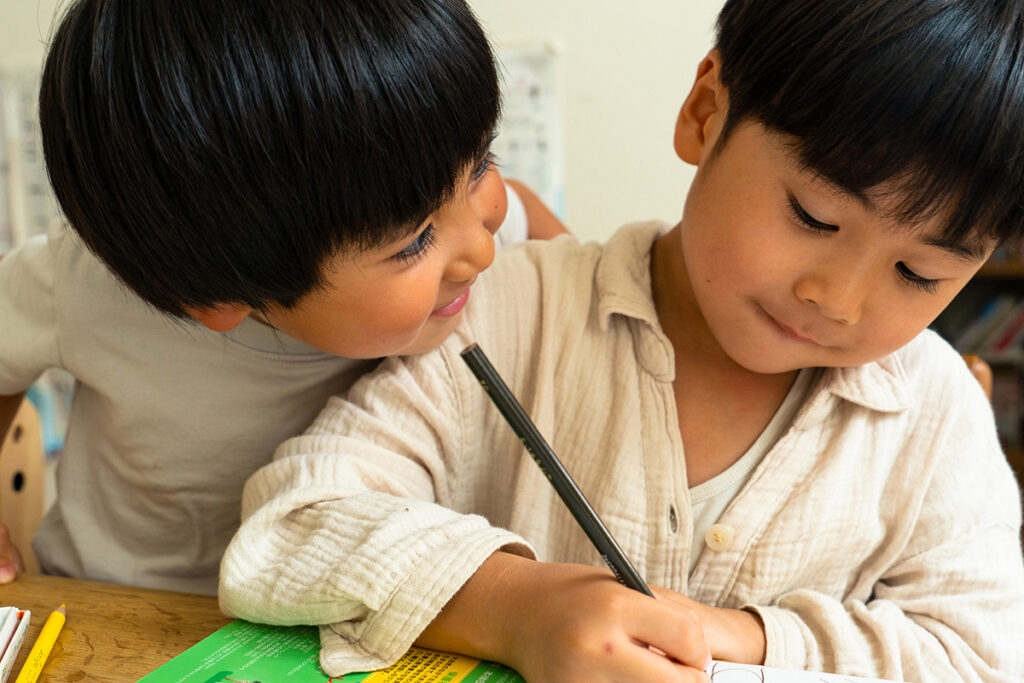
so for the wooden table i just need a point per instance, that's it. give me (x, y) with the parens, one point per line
(112, 633)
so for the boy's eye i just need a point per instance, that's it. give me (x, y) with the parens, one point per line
(483, 168)
(914, 279)
(419, 246)
(809, 221)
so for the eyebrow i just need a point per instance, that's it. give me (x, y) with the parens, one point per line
(965, 251)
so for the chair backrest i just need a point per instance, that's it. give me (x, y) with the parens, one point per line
(21, 481)
(982, 371)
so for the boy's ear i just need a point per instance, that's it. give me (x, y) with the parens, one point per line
(703, 112)
(221, 317)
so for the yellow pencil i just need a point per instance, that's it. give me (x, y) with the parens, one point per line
(41, 650)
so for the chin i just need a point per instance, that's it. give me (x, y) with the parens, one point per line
(424, 345)
(764, 361)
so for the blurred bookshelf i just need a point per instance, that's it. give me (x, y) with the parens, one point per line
(987, 319)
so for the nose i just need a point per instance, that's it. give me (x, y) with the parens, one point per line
(474, 253)
(483, 214)
(837, 294)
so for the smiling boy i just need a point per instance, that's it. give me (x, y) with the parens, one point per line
(263, 198)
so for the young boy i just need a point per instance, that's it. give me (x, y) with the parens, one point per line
(749, 399)
(309, 180)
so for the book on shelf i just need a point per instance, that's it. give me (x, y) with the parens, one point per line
(997, 333)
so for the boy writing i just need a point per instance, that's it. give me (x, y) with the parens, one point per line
(749, 398)
(310, 181)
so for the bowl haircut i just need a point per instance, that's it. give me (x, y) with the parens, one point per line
(923, 97)
(221, 151)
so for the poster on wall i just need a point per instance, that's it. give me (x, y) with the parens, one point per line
(529, 146)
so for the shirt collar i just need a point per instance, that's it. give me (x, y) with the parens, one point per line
(623, 276)
(880, 385)
(623, 282)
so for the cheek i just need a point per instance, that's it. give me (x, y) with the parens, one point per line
(381, 322)
(896, 327)
(396, 311)
(492, 201)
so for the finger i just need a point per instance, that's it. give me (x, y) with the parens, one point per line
(651, 666)
(10, 558)
(675, 631)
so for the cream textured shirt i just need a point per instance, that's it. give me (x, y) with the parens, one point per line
(879, 536)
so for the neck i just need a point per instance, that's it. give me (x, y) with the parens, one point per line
(697, 351)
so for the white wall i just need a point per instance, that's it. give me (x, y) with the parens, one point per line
(24, 30)
(627, 67)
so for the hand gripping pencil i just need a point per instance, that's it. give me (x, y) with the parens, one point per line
(556, 473)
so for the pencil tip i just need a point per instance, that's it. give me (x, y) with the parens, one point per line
(61, 609)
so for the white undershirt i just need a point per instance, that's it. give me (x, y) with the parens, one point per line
(709, 500)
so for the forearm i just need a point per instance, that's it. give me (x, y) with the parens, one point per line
(315, 547)
(475, 621)
(734, 635)
(541, 222)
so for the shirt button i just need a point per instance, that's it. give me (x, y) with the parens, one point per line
(719, 537)
(673, 521)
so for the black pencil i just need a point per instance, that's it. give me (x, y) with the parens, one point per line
(556, 473)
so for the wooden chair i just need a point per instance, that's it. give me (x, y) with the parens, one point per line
(981, 371)
(21, 481)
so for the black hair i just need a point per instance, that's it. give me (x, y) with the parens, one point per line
(220, 151)
(925, 94)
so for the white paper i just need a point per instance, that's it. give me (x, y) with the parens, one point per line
(727, 672)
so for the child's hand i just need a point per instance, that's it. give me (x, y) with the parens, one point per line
(10, 558)
(580, 624)
(734, 635)
(568, 622)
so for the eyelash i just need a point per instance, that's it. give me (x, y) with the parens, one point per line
(801, 215)
(912, 278)
(419, 246)
(484, 167)
(905, 273)
(427, 239)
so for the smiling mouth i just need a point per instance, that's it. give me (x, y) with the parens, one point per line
(787, 330)
(454, 307)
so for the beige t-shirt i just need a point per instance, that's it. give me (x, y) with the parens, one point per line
(168, 419)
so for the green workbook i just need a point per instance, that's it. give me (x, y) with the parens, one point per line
(243, 652)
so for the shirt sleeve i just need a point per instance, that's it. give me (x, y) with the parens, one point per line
(950, 605)
(28, 319)
(355, 527)
(514, 227)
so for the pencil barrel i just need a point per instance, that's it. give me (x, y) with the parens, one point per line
(549, 463)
